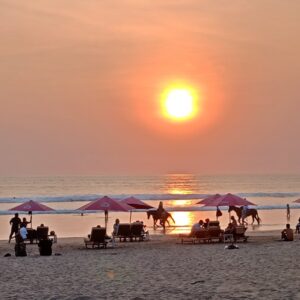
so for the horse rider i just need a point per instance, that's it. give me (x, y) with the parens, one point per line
(161, 212)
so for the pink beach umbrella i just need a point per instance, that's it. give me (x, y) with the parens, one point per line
(106, 204)
(135, 203)
(31, 206)
(226, 200)
(229, 200)
(209, 199)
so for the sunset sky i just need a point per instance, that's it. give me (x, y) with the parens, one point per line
(81, 85)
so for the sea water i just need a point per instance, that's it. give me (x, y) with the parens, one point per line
(179, 193)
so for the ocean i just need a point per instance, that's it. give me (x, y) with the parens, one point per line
(179, 192)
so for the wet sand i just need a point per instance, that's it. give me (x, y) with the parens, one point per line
(161, 268)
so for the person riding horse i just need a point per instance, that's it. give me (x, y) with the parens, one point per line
(160, 214)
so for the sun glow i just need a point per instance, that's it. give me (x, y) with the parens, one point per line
(179, 103)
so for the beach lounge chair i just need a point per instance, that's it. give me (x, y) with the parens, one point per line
(42, 233)
(31, 235)
(239, 234)
(137, 231)
(97, 238)
(214, 231)
(124, 232)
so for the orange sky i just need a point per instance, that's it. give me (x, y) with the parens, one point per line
(80, 82)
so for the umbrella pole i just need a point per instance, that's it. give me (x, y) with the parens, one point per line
(106, 218)
(130, 217)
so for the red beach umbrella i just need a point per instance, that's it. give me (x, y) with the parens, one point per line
(135, 203)
(31, 206)
(105, 204)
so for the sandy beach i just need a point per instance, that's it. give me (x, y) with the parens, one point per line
(160, 268)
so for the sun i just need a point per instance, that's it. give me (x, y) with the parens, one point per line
(179, 104)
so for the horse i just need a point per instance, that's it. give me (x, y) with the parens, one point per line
(162, 217)
(250, 212)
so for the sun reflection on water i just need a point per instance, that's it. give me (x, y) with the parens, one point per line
(183, 218)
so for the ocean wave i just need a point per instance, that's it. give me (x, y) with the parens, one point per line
(170, 209)
(148, 197)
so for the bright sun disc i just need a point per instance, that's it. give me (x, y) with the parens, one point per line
(179, 104)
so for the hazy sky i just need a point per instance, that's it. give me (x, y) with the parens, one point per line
(80, 82)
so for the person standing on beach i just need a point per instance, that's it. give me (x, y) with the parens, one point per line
(288, 212)
(15, 223)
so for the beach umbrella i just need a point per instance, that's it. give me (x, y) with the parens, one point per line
(229, 200)
(135, 203)
(31, 206)
(209, 199)
(106, 204)
(297, 201)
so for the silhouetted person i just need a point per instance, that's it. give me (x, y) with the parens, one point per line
(15, 223)
(287, 234)
(288, 212)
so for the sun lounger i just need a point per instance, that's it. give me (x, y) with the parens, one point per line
(31, 235)
(34, 236)
(137, 232)
(239, 234)
(42, 233)
(212, 233)
(124, 232)
(131, 232)
(97, 238)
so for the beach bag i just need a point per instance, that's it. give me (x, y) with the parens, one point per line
(20, 249)
(45, 247)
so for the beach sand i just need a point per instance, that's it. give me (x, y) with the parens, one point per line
(158, 269)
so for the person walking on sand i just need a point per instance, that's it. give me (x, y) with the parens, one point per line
(15, 223)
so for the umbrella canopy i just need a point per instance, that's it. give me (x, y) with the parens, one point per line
(106, 204)
(136, 203)
(229, 200)
(32, 206)
(297, 201)
(209, 199)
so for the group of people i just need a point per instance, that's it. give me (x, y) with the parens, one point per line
(18, 226)
(201, 225)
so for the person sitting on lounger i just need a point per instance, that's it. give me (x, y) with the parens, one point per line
(287, 234)
(205, 224)
(233, 221)
(298, 227)
(196, 227)
(230, 229)
(23, 231)
(116, 227)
